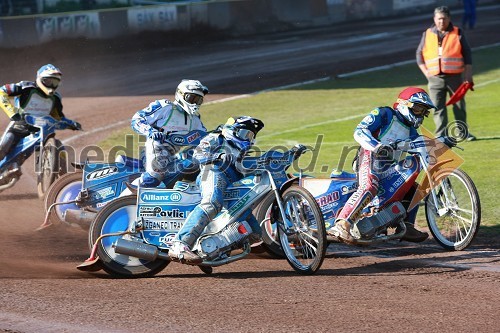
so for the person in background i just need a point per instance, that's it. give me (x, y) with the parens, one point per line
(445, 58)
(469, 14)
(37, 98)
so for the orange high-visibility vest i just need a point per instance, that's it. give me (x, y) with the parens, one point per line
(448, 59)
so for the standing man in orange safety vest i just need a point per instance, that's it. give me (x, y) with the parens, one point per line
(445, 58)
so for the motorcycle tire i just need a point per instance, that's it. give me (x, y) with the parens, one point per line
(454, 220)
(66, 188)
(270, 241)
(48, 168)
(115, 217)
(303, 235)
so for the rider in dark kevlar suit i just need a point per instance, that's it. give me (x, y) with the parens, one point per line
(35, 98)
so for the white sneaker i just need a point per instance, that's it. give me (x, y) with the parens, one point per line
(180, 251)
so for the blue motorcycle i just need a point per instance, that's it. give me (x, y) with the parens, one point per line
(76, 197)
(50, 157)
(131, 236)
(451, 201)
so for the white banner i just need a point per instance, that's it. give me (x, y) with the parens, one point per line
(72, 25)
(152, 18)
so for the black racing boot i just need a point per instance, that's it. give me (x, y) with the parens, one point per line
(412, 234)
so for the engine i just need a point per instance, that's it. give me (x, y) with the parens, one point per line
(369, 226)
(235, 233)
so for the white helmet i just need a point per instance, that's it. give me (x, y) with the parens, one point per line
(189, 95)
(48, 78)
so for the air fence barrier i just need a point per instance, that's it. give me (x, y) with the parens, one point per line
(233, 17)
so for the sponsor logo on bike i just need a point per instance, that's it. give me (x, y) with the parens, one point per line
(102, 173)
(153, 197)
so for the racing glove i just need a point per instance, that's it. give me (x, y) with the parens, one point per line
(16, 117)
(157, 136)
(383, 151)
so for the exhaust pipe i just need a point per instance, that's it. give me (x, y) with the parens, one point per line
(79, 216)
(139, 250)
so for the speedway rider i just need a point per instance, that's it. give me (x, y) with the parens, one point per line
(37, 98)
(218, 154)
(161, 118)
(375, 133)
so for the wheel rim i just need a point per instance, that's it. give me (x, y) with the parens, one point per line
(301, 244)
(119, 221)
(458, 209)
(67, 193)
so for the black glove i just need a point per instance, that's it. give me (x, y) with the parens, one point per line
(157, 136)
(76, 126)
(226, 159)
(384, 151)
(16, 117)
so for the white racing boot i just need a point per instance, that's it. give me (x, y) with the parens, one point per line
(180, 252)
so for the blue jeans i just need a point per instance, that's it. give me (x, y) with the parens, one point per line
(213, 183)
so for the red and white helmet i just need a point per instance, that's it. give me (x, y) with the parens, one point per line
(48, 78)
(414, 104)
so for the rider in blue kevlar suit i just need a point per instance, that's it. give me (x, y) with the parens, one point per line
(375, 133)
(217, 154)
(158, 121)
(37, 98)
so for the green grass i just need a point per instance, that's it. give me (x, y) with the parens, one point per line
(332, 109)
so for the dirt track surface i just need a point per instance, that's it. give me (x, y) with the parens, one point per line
(392, 287)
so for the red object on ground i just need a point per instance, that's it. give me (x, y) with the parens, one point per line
(460, 92)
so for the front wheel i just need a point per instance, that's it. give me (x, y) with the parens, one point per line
(48, 169)
(116, 217)
(454, 219)
(302, 235)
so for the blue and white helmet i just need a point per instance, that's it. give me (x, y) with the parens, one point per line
(414, 104)
(48, 78)
(189, 96)
(242, 130)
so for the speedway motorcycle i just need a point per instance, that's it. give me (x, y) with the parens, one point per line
(131, 236)
(50, 157)
(451, 200)
(75, 198)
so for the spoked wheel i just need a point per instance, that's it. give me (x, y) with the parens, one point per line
(116, 217)
(48, 168)
(454, 219)
(302, 236)
(64, 189)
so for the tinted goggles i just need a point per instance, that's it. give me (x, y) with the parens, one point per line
(193, 98)
(50, 82)
(420, 110)
(245, 134)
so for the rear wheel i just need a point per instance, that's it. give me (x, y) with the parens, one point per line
(64, 189)
(117, 217)
(303, 235)
(455, 218)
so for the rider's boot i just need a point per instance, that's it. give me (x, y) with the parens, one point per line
(341, 229)
(412, 234)
(180, 252)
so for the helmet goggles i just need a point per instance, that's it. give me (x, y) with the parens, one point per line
(193, 98)
(50, 82)
(244, 134)
(418, 110)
